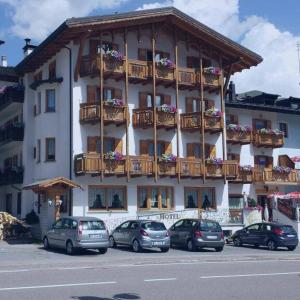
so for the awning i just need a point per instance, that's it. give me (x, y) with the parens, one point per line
(48, 184)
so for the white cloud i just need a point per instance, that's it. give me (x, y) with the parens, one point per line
(278, 73)
(36, 18)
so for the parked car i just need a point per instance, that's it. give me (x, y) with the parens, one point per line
(73, 233)
(272, 235)
(140, 234)
(196, 233)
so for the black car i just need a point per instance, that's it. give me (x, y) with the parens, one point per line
(196, 233)
(272, 235)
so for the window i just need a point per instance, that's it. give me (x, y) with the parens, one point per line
(194, 150)
(284, 128)
(233, 156)
(155, 197)
(231, 119)
(260, 123)
(50, 149)
(38, 151)
(58, 224)
(146, 100)
(147, 147)
(107, 198)
(203, 198)
(50, 100)
(236, 202)
(38, 103)
(263, 161)
(52, 70)
(147, 55)
(110, 144)
(125, 225)
(253, 228)
(193, 62)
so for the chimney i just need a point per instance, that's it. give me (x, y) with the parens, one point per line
(3, 61)
(27, 49)
(232, 94)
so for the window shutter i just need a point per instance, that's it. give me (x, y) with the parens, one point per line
(168, 147)
(34, 110)
(188, 104)
(91, 144)
(269, 124)
(209, 103)
(91, 93)
(190, 150)
(269, 162)
(143, 100)
(167, 99)
(144, 147)
(117, 93)
(119, 145)
(190, 61)
(142, 54)
(210, 151)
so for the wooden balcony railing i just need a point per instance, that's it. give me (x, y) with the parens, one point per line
(278, 177)
(114, 167)
(228, 169)
(89, 112)
(142, 118)
(268, 140)
(166, 119)
(137, 69)
(243, 176)
(88, 66)
(231, 169)
(236, 137)
(193, 168)
(166, 168)
(211, 80)
(190, 121)
(141, 166)
(113, 66)
(213, 124)
(186, 76)
(162, 73)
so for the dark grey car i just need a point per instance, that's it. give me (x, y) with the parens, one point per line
(73, 233)
(195, 233)
(141, 234)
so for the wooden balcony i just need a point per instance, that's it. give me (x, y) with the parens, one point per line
(113, 68)
(268, 140)
(166, 120)
(163, 75)
(141, 166)
(243, 177)
(88, 67)
(142, 118)
(191, 168)
(12, 133)
(190, 121)
(238, 137)
(166, 168)
(90, 113)
(231, 169)
(186, 77)
(280, 178)
(211, 82)
(114, 167)
(228, 169)
(137, 71)
(213, 124)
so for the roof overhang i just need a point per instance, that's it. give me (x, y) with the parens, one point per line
(73, 28)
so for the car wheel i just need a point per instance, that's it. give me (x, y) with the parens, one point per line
(136, 246)
(271, 245)
(237, 242)
(190, 245)
(292, 248)
(69, 248)
(46, 243)
(102, 250)
(219, 249)
(164, 250)
(112, 242)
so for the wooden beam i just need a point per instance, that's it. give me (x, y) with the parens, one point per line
(227, 78)
(79, 56)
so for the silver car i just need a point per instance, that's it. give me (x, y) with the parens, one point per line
(141, 234)
(73, 233)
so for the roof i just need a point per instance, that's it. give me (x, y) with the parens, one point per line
(8, 74)
(74, 27)
(46, 184)
(256, 93)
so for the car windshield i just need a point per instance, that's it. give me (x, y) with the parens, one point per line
(210, 226)
(92, 225)
(154, 226)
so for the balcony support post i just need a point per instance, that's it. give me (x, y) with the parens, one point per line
(177, 105)
(101, 110)
(126, 102)
(202, 132)
(79, 56)
(154, 100)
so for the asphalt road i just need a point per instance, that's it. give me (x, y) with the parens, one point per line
(29, 272)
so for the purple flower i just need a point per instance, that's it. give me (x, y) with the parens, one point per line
(212, 70)
(215, 161)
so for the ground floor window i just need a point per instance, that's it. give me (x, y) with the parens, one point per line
(107, 198)
(236, 205)
(201, 198)
(155, 197)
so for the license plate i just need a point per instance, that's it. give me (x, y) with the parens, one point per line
(95, 236)
(212, 237)
(291, 235)
(157, 243)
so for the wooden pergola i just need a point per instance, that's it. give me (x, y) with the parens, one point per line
(53, 188)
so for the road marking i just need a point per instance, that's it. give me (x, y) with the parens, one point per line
(55, 286)
(159, 279)
(250, 275)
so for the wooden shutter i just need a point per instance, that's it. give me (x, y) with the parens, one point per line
(168, 147)
(143, 100)
(268, 124)
(167, 99)
(188, 104)
(142, 54)
(209, 103)
(190, 61)
(91, 93)
(119, 145)
(210, 151)
(91, 144)
(269, 162)
(117, 93)
(190, 150)
(144, 147)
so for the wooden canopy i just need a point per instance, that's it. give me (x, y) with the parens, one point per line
(52, 183)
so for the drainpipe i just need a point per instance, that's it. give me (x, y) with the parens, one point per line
(71, 127)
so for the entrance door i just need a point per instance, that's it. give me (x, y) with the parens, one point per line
(262, 200)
